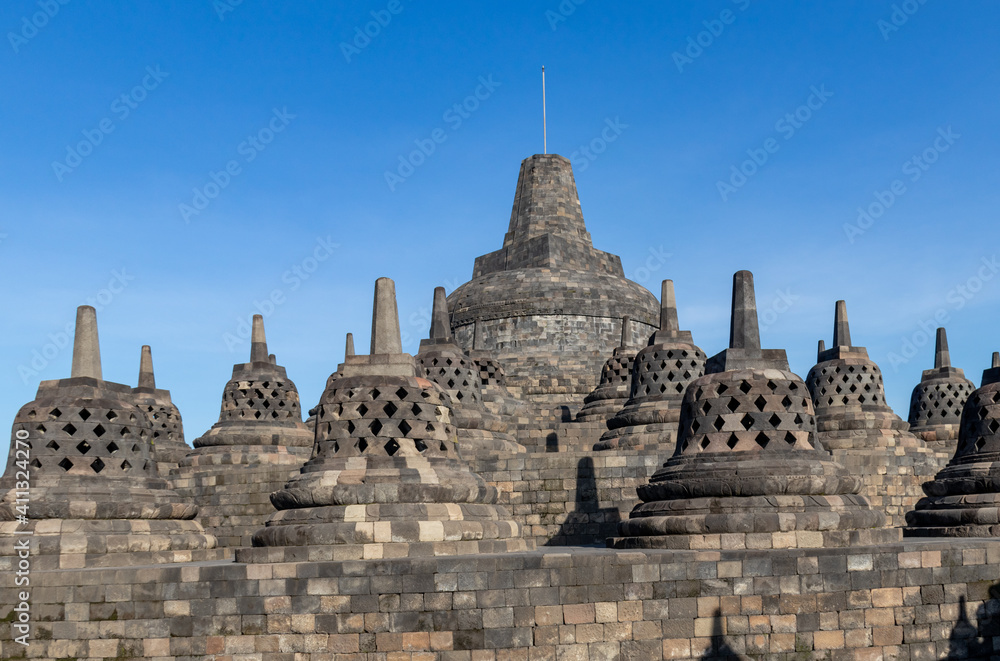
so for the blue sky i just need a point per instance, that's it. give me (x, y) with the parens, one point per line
(115, 117)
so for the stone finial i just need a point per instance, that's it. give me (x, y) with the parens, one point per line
(841, 327)
(258, 343)
(942, 357)
(668, 307)
(477, 336)
(86, 347)
(349, 349)
(146, 378)
(996, 359)
(744, 333)
(626, 331)
(385, 319)
(271, 358)
(820, 348)
(440, 326)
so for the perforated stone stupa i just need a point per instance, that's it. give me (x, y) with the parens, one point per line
(168, 428)
(854, 422)
(386, 478)
(747, 471)
(348, 351)
(493, 385)
(95, 499)
(963, 500)
(616, 378)
(547, 304)
(257, 444)
(937, 401)
(481, 433)
(662, 371)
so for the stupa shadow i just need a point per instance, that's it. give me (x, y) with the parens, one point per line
(589, 523)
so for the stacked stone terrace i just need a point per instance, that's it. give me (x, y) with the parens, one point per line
(854, 422)
(258, 443)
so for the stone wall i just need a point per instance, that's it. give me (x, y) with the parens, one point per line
(917, 600)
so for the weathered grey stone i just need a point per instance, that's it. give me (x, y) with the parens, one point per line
(661, 373)
(616, 379)
(168, 428)
(86, 447)
(937, 401)
(747, 461)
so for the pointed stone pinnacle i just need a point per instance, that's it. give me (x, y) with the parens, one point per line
(668, 307)
(86, 347)
(385, 319)
(477, 336)
(841, 327)
(258, 343)
(349, 349)
(942, 357)
(820, 349)
(271, 358)
(996, 359)
(744, 333)
(626, 331)
(146, 378)
(440, 325)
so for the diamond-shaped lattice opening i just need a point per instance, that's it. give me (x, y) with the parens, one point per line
(124, 431)
(361, 445)
(706, 407)
(65, 464)
(375, 426)
(655, 377)
(405, 428)
(679, 388)
(719, 423)
(111, 415)
(336, 447)
(695, 426)
(52, 445)
(786, 402)
(663, 387)
(733, 404)
(444, 446)
(733, 441)
(790, 438)
(996, 397)
(390, 409)
(83, 447)
(391, 447)
(762, 440)
(722, 388)
(419, 445)
(772, 385)
(40, 428)
(55, 413)
(760, 402)
(135, 448)
(994, 425)
(99, 431)
(350, 427)
(257, 414)
(745, 387)
(266, 404)
(113, 447)
(69, 428)
(747, 421)
(415, 409)
(362, 410)
(845, 399)
(84, 414)
(429, 427)
(97, 465)
(125, 465)
(376, 393)
(35, 463)
(980, 444)
(705, 443)
(775, 420)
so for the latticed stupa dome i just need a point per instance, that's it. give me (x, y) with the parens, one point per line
(616, 379)
(746, 464)
(660, 375)
(92, 467)
(386, 477)
(937, 401)
(168, 428)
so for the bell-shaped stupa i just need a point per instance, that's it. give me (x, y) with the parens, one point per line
(937, 401)
(493, 385)
(95, 498)
(747, 471)
(257, 444)
(663, 370)
(386, 478)
(168, 428)
(854, 422)
(616, 377)
(481, 433)
(348, 351)
(963, 500)
(547, 304)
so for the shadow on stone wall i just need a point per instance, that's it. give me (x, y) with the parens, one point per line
(976, 642)
(719, 648)
(588, 524)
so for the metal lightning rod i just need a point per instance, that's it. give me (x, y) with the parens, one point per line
(545, 136)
